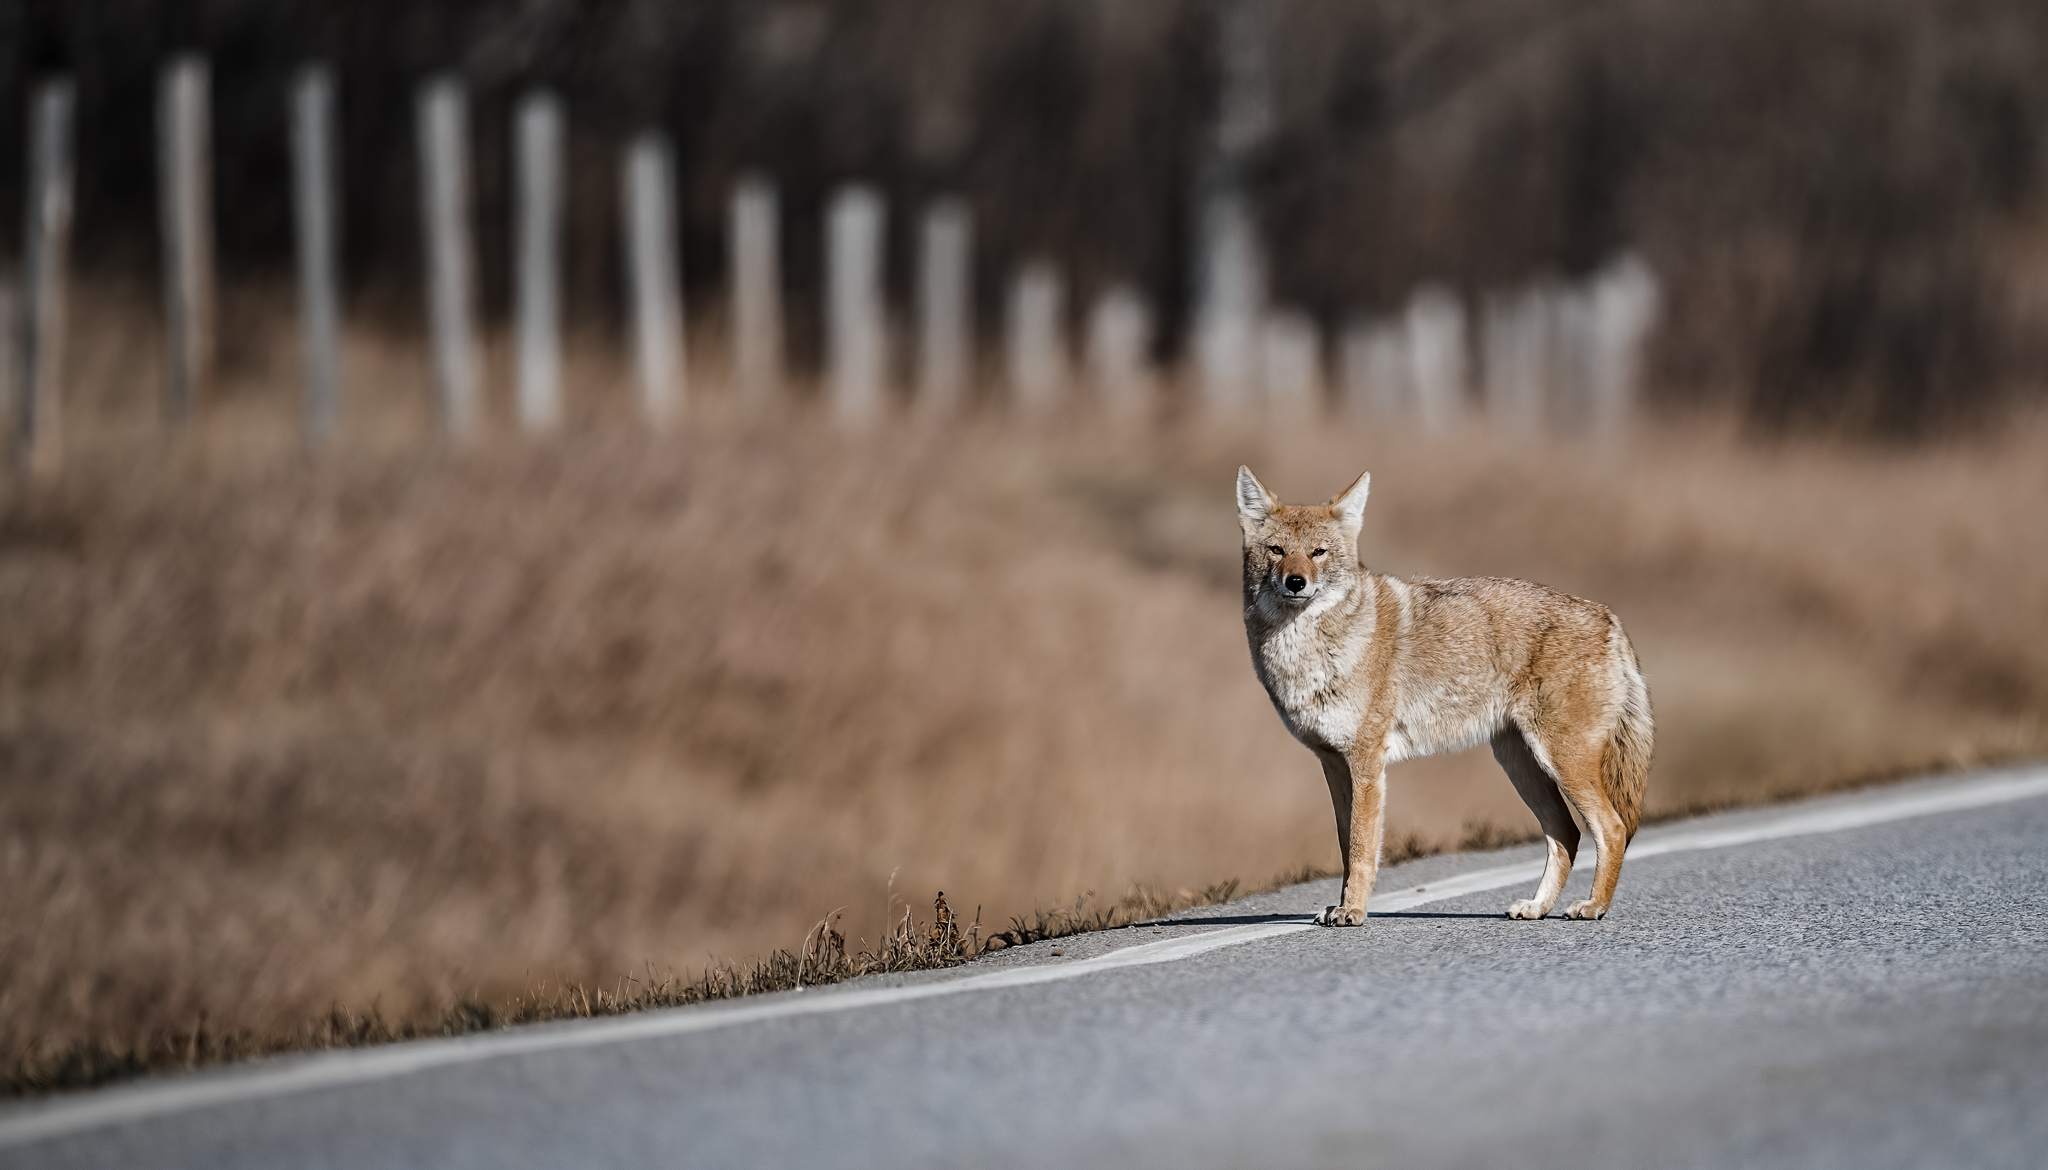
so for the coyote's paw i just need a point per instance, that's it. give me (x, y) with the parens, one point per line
(1585, 910)
(1341, 916)
(1527, 908)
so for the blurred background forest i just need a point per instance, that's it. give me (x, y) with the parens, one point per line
(408, 721)
(1845, 195)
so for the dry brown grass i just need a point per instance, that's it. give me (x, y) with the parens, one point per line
(822, 959)
(403, 728)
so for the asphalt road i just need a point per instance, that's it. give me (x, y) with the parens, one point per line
(1768, 991)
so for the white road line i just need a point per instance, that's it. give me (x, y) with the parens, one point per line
(355, 1066)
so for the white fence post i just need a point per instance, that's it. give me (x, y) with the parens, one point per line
(443, 113)
(185, 205)
(1516, 351)
(1230, 268)
(856, 329)
(1624, 309)
(1291, 367)
(537, 167)
(945, 304)
(654, 283)
(46, 247)
(1119, 355)
(1232, 303)
(314, 189)
(1037, 348)
(1376, 370)
(755, 256)
(1436, 357)
(1569, 312)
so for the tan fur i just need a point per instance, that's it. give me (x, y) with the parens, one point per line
(1368, 670)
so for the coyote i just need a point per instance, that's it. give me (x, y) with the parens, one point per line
(1368, 670)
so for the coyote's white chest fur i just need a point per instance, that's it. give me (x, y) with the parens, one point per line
(1315, 667)
(1307, 660)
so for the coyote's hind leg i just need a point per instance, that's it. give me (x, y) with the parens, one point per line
(1612, 840)
(1539, 791)
(1576, 760)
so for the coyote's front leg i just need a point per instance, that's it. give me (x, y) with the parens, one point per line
(1358, 794)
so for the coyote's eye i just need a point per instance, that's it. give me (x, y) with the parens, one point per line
(1319, 552)
(1276, 550)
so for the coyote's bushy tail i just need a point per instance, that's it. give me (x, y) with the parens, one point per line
(1625, 762)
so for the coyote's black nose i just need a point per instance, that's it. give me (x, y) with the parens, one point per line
(1296, 583)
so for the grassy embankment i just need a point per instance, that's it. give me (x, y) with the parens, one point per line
(449, 738)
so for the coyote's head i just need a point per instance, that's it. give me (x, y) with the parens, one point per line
(1296, 553)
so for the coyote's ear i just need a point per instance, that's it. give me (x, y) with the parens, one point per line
(1254, 502)
(1350, 503)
